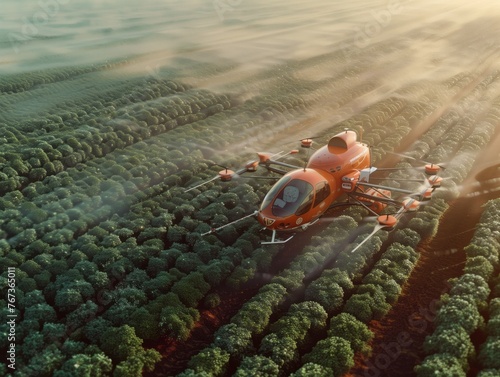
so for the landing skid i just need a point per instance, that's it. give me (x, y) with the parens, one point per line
(274, 241)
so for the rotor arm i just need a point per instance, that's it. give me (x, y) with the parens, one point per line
(276, 170)
(280, 163)
(267, 164)
(203, 183)
(385, 188)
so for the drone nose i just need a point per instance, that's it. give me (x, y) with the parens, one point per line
(266, 221)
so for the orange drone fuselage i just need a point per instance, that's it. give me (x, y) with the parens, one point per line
(301, 196)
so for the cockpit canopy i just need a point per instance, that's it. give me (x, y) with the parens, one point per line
(293, 196)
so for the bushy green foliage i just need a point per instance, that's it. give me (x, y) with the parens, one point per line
(257, 365)
(191, 289)
(234, 339)
(176, 319)
(120, 343)
(367, 306)
(290, 279)
(312, 370)
(326, 292)
(443, 364)
(282, 350)
(460, 311)
(459, 316)
(98, 365)
(255, 313)
(334, 353)
(210, 360)
(452, 340)
(480, 266)
(346, 326)
(488, 353)
(488, 373)
(470, 285)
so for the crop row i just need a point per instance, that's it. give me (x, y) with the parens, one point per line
(15, 84)
(71, 139)
(450, 344)
(460, 316)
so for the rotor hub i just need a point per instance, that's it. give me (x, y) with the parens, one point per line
(387, 221)
(252, 166)
(226, 175)
(411, 204)
(432, 169)
(427, 194)
(306, 143)
(264, 157)
(435, 181)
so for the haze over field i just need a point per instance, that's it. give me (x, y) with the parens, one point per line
(243, 46)
(432, 38)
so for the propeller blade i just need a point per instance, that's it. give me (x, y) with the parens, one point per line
(313, 137)
(227, 174)
(395, 179)
(215, 230)
(442, 165)
(403, 155)
(203, 183)
(282, 154)
(329, 219)
(369, 219)
(377, 228)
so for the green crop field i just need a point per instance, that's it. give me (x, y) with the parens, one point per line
(110, 111)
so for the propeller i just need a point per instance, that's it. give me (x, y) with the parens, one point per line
(215, 230)
(227, 174)
(430, 168)
(313, 137)
(282, 154)
(376, 228)
(386, 221)
(440, 164)
(369, 219)
(329, 219)
(203, 183)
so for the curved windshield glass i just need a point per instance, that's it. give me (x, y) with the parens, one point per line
(294, 197)
(274, 190)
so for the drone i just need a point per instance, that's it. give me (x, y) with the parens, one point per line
(342, 168)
